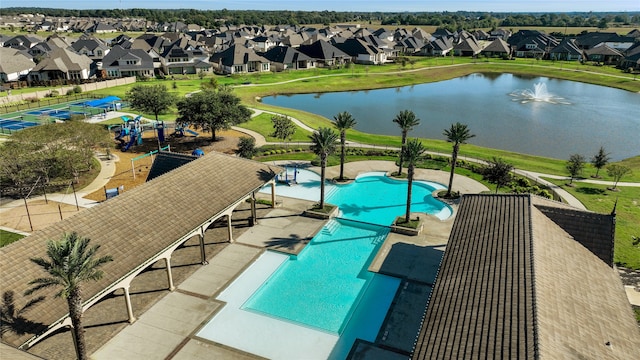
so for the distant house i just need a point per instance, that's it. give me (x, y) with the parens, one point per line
(239, 59)
(102, 28)
(468, 46)
(288, 58)
(94, 48)
(437, 47)
(603, 54)
(22, 42)
(497, 48)
(120, 62)
(325, 54)
(180, 61)
(14, 64)
(532, 44)
(567, 50)
(361, 52)
(62, 64)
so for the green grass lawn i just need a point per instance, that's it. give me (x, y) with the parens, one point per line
(598, 199)
(262, 124)
(7, 237)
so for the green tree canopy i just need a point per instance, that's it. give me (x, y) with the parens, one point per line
(212, 110)
(497, 172)
(283, 127)
(406, 120)
(575, 164)
(154, 99)
(457, 134)
(413, 152)
(246, 147)
(600, 160)
(617, 171)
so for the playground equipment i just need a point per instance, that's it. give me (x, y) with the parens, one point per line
(159, 126)
(197, 152)
(181, 129)
(131, 129)
(285, 178)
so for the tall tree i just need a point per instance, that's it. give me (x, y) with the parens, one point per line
(575, 164)
(70, 263)
(457, 134)
(617, 172)
(246, 147)
(414, 151)
(498, 172)
(343, 122)
(323, 144)
(406, 120)
(600, 160)
(212, 110)
(283, 128)
(154, 99)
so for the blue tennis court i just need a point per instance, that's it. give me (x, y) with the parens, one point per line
(16, 124)
(40, 112)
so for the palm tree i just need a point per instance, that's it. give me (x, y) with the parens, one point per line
(343, 122)
(413, 151)
(324, 144)
(406, 120)
(71, 261)
(457, 134)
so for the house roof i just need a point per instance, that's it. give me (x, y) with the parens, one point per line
(64, 60)
(322, 50)
(135, 226)
(118, 53)
(514, 283)
(166, 161)
(13, 61)
(498, 46)
(285, 55)
(237, 55)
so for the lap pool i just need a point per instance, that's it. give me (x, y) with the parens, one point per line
(315, 304)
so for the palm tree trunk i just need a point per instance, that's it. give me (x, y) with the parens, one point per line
(75, 313)
(323, 165)
(409, 185)
(454, 160)
(404, 141)
(343, 138)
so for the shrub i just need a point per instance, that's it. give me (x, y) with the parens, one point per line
(77, 89)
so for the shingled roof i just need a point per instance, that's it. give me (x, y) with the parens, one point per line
(514, 284)
(134, 226)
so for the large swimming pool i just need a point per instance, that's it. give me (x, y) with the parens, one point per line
(326, 292)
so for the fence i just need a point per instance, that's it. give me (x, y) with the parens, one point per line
(43, 99)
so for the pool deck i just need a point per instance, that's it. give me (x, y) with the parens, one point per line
(167, 330)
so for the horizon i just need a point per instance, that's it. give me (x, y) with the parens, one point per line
(494, 6)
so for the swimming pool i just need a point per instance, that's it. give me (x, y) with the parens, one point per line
(321, 286)
(316, 304)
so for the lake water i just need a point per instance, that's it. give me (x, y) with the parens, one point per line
(586, 117)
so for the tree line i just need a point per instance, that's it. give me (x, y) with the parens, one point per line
(449, 20)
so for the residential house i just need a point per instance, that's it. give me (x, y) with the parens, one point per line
(602, 54)
(468, 46)
(263, 43)
(288, 58)
(631, 59)
(325, 54)
(361, 52)
(180, 61)
(239, 59)
(409, 45)
(92, 47)
(62, 64)
(102, 28)
(497, 48)
(441, 46)
(532, 44)
(22, 42)
(121, 62)
(567, 50)
(14, 65)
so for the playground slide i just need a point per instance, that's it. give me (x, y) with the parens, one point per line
(119, 137)
(132, 141)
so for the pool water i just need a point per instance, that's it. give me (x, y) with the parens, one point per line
(321, 286)
(327, 288)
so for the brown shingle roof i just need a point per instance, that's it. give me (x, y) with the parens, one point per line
(482, 302)
(514, 283)
(135, 226)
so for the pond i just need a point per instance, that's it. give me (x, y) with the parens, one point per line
(531, 115)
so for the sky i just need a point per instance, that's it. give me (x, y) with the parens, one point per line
(345, 5)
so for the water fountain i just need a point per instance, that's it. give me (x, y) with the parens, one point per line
(539, 94)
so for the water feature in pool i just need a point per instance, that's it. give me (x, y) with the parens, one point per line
(485, 103)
